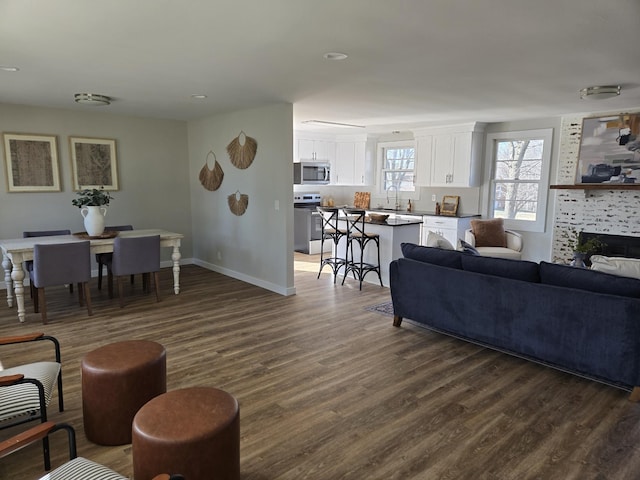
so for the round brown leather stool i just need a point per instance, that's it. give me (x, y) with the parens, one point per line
(191, 431)
(118, 379)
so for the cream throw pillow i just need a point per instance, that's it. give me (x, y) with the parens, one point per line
(436, 240)
(625, 267)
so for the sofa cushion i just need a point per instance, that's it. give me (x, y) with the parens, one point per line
(489, 233)
(467, 248)
(625, 267)
(585, 279)
(502, 267)
(435, 256)
(436, 240)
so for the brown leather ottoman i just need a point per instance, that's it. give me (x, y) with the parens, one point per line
(192, 431)
(118, 379)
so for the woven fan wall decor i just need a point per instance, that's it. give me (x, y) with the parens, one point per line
(238, 203)
(211, 179)
(242, 150)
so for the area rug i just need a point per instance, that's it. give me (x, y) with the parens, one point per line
(385, 308)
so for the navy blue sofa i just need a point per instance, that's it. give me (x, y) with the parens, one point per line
(580, 321)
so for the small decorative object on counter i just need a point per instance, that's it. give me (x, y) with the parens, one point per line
(330, 202)
(437, 208)
(409, 206)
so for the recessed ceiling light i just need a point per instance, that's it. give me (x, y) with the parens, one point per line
(331, 124)
(335, 56)
(198, 96)
(7, 68)
(92, 99)
(600, 92)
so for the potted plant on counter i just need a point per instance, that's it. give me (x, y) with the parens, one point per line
(93, 203)
(581, 250)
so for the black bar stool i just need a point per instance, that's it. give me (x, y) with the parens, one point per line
(331, 232)
(355, 234)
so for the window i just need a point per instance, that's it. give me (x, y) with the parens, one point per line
(398, 166)
(519, 178)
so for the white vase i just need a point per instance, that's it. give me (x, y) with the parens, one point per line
(93, 220)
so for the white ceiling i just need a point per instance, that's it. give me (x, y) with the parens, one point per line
(411, 62)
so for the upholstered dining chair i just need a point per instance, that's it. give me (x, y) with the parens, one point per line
(132, 255)
(42, 233)
(77, 468)
(57, 264)
(26, 390)
(102, 259)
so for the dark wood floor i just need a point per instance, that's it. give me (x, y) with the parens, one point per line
(330, 390)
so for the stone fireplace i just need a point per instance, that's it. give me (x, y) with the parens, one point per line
(600, 212)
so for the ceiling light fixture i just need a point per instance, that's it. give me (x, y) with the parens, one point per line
(335, 56)
(331, 124)
(92, 99)
(600, 92)
(7, 68)
(198, 96)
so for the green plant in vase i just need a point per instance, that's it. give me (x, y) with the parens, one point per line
(581, 250)
(92, 197)
(93, 203)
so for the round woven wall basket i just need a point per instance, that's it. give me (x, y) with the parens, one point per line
(242, 150)
(238, 203)
(211, 179)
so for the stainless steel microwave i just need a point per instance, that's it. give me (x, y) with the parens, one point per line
(311, 173)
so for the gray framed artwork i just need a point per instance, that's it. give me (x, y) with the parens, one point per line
(93, 163)
(31, 162)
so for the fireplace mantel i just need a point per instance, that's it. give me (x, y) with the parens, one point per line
(597, 186)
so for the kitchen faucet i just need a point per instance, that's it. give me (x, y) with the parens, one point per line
(397, 205)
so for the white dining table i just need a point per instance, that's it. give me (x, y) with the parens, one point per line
(16, 251)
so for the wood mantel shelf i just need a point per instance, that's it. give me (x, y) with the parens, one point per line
(597, 186)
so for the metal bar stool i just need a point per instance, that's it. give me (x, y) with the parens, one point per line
(355, 234)
(331, 232)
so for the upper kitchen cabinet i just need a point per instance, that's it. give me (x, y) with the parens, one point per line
(314, 148)
(350, 165)
(450, 156)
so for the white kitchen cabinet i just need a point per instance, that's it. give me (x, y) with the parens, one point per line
(449, 156)
(451, 228)
(350, 163)
(424, 156)
(314, 149)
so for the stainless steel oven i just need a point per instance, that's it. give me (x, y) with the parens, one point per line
(307, 222)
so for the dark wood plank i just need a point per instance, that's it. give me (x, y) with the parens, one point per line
(330, 390)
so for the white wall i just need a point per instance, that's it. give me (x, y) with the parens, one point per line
(256, 247)
(152, 169)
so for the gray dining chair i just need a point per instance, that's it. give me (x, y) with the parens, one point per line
(132, 255)
(42, 233)
(58, 264)
(103, 259)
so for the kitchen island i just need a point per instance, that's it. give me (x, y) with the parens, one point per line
(393, 233)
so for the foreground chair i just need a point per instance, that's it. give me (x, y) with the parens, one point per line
(57, 264)
(77, 468)
(25, 390)
(134, 255)
(102, 259)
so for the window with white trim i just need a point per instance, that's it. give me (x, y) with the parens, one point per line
(398, 166)
(519, 178)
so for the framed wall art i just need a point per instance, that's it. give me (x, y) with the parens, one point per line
(93, 163)
(610, 149)
(32, 162)
(450, 205)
